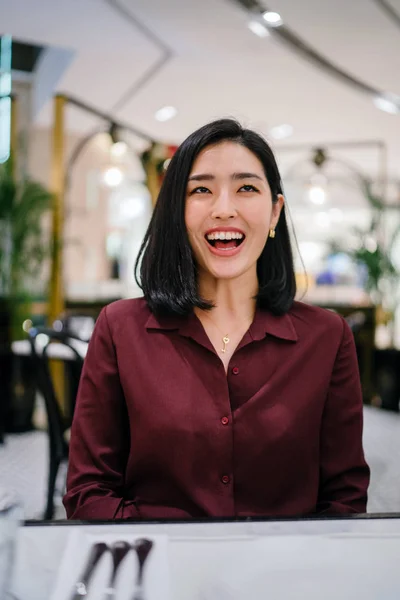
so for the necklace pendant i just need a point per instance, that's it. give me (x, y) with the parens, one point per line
(226, 341)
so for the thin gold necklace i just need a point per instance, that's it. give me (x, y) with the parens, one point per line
(225, 338)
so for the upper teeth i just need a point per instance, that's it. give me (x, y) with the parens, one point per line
(225, 235)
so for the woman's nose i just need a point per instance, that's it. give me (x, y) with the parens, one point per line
(224, 207)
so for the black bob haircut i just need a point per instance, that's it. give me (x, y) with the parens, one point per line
(168, 272)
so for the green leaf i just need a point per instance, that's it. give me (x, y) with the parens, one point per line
(23, 205)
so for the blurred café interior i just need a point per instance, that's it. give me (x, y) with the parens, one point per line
(95, 96)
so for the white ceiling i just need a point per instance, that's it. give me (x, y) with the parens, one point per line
(219, 67)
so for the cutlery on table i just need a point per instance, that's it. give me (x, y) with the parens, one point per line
(118, 550)
(81, 586)
(142, 547)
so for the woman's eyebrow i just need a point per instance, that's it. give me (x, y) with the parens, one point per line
(234, 176)
(201, 177)
(237, 176)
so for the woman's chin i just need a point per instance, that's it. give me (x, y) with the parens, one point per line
(227, 271)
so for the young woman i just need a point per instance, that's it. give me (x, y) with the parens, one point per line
(217, 394)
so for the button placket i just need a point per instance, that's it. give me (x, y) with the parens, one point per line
(224, 424)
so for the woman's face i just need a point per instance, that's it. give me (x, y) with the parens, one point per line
(229, 210)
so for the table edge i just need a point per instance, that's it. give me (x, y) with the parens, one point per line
(207, 521)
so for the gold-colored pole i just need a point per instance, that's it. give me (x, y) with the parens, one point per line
(56, 300)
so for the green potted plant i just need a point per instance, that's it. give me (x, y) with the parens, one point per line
(381, 273)
(382, 277)
(23, 251)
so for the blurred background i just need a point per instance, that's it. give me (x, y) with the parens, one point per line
(95, 96)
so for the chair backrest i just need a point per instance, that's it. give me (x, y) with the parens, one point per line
(55, 346)
(72, 351)
(79, 325)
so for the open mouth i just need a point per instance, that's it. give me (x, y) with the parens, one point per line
(225, 242)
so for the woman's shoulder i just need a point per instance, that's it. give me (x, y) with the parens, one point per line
(126, 312)
(127, 306)
(321, 320)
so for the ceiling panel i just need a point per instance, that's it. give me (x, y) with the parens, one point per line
(358, 36)
(219, 67)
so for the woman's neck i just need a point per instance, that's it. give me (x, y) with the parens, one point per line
(233, 299)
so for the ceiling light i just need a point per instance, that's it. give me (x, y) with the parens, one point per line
(258, 28)
(280, 132)
(166, 113)
(113, 176)
(273, 19)
(317, 195)
(389, 104)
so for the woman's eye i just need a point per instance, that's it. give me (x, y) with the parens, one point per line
(200, 190)
(248, 188)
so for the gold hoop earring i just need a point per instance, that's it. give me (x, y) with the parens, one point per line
(272, 233)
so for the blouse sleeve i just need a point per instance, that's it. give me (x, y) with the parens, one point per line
(99, 444)
(344, 474)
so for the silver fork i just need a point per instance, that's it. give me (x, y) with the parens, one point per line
(119, 550)
(142, 547)
(81, 586)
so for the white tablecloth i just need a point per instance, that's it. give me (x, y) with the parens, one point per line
(361, 557)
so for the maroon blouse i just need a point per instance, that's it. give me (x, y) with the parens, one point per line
(160, 430)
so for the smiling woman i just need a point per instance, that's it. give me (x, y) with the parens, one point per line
(218, 166)
(236, 203)
(217, 394)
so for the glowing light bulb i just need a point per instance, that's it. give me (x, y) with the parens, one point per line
(317, 195)
(273, 19)
(280, 132)
(388, 104)
(113, 176)
(166, 113)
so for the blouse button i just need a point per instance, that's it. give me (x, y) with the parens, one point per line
(225, 479)
(235, 370)
(224, 420)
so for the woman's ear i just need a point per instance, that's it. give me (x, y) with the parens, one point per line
(276, 210)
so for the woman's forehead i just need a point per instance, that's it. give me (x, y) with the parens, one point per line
(227, 157)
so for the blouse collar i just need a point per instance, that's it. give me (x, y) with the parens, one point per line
(264, 323)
